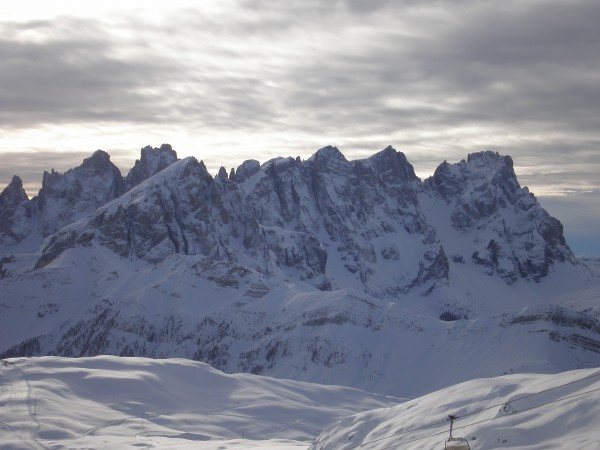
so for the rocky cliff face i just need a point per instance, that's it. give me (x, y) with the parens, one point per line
(65, 198)
(285, 218)
(15, 213)
(289, 216)
(513, 236)
(152, 161)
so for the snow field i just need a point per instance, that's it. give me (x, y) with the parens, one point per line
(112, 402)
(522, 411)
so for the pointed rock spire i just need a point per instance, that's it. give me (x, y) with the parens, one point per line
(15, 213)
(152, 161)
(64, 198)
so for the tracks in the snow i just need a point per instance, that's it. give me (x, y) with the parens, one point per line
(16, 395)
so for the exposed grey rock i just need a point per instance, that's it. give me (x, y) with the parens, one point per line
(392, 166)
(483, 193)
(284, 218)
(152, 161)
(246, 170)
(65, 198)
(277, 219)
(15, 213)
(434, 275)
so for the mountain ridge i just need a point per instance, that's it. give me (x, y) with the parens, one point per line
(309, 269)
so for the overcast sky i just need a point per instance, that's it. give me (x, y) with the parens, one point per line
(229, 80)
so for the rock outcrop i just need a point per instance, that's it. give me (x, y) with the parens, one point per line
(516, 237)
(152, 160)
(65, 198)
(15, 213)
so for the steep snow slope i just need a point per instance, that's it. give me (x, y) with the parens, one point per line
(111, 402)
(518, 411)
(94, 302)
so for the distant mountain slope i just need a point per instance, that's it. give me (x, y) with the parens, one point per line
(517, 411)
(326, 270)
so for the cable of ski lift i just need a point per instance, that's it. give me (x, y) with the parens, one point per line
(480, 411)
(481, 421)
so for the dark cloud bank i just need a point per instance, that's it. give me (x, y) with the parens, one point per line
(436, 79)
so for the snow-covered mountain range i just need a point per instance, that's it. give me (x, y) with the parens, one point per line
(325, 270)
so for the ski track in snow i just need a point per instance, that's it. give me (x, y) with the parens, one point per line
(83, 403)
(25, 425)
(47, 402)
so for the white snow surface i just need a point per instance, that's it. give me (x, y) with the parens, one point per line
(525, 411)
(109, 402)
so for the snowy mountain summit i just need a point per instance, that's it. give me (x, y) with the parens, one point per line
(323, 269)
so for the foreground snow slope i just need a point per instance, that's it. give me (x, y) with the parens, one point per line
(522, 411)
(112, 402)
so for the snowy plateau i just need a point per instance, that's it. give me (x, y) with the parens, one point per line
(458, 292)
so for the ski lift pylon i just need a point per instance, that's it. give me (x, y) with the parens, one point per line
(455, 443)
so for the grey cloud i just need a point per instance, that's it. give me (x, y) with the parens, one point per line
(520, 71)
(75, 72)
(408, 73)
(70, 74)
(478, 61)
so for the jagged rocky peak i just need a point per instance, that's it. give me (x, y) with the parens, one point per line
(328, 158)
(329, 152)
(165, 215)
(392, 166)
(222, 174)
(488, 158)
(15, 213)
(446, 180)
(13, 194)
(482, 184)
(482, 168)
(98, 163)
(64, 198)
(483, 196)
(290, 216)
(96, 166)
(247, 169)
(152, 161)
